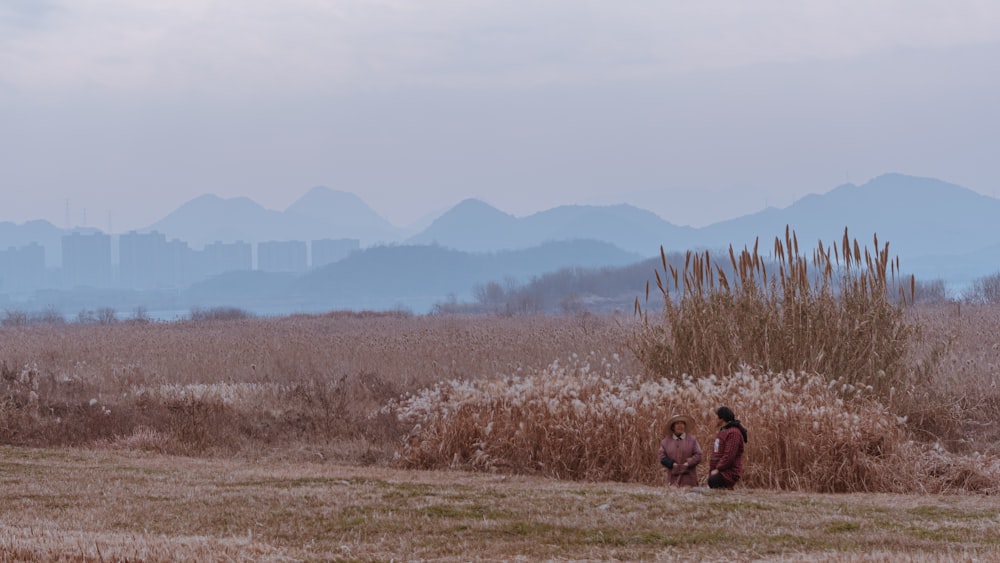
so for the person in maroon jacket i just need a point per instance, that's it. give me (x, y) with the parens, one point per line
(680, 453)
(725, 466)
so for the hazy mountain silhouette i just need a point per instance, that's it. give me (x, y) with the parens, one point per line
(625, 226)
(345, 213)
(396, 275)
(919, 217)
(939, 230)
(475, 226)
(959, 269)
(210, 218)
(242, 288)
(429, 273)
(320, 213)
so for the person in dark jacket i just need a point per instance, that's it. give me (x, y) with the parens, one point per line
(725, 467)
(680, 452)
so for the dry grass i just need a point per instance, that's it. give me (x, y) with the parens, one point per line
(835, 314)
(584, 423)
(248, 386)
(315, 387)
(86, 505)
(272, 407)
(846, 314)
(954, 362)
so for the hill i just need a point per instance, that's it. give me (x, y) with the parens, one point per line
(475, 226)
(919, 217)
(394, 276)
(320, 213)
(345, 215)
(938, 229)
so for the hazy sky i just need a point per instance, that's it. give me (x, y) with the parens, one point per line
(699, 111)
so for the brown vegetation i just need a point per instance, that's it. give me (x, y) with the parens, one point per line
(99, 505)
(557, 395)
(247, 386)
(833, 368)
(589, 423)
(837, 314)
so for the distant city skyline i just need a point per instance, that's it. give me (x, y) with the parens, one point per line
(211, 237)
(697, 112)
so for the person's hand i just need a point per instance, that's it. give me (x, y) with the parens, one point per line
(714, 472)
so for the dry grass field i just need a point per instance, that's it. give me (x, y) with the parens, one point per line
(310, 438)
(99, 505)
(249, 386)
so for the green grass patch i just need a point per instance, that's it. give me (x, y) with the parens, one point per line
(842, 527)
(943, 513)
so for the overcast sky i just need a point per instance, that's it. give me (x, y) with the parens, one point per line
(699, 111)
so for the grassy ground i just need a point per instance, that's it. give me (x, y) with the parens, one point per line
(91, 505)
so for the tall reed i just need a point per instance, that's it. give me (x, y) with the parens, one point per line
(836, 314)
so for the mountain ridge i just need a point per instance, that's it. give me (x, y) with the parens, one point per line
(925, 220)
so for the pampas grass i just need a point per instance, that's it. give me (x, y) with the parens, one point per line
(587, 421)
(840, 314)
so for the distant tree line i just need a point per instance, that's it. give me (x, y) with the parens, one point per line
(572, 290)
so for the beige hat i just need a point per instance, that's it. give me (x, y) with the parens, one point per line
(688, 423)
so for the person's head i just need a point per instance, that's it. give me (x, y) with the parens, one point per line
(725, 415)
(679, 424)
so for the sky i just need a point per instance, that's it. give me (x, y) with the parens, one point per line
(113, 113)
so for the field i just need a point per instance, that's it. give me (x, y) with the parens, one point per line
(309, 437)
(91, 505)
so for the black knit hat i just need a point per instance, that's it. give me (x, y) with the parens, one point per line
(726, 414)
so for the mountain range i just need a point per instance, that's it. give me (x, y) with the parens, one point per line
(411, 277)
(939, 230)
(320, 213)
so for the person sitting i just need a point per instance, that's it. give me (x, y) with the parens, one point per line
(725, 466)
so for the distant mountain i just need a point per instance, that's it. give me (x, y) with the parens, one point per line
(210, 218)
(633, 229)
(919, 217)
(320, 213)
(346, 213)
(938, 229)
(475, 226)
(414, 277)
(959, 270)
(241, 288)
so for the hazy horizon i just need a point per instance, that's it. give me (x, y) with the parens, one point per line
(698, 113)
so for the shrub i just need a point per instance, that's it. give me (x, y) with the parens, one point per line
(219, 314)
(984, 290)
(107, 315)
(930, 291)
(14, 317)
(48, 316)
(805, 433)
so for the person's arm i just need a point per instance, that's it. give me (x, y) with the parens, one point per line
(696, 454)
